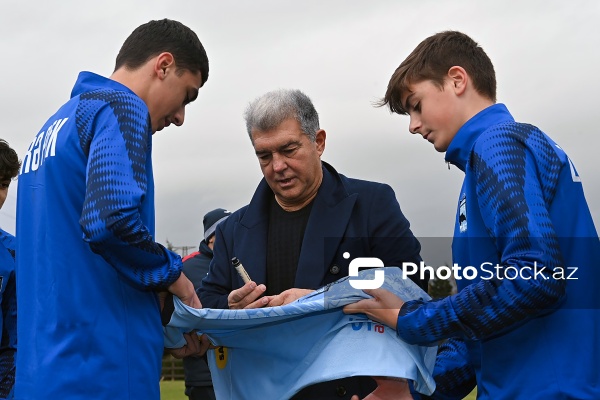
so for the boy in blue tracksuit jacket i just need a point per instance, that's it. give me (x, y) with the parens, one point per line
(8, 320)
(9, 168)
(526, 327)
(89, 268)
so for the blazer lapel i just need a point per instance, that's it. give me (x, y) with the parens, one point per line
(250, 244)
(329, 217)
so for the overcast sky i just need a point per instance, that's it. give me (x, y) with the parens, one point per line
(341, 53)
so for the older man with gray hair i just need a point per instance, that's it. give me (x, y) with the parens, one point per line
(304, 224)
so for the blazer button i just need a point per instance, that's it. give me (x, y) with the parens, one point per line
(340, 391)
(334, 270)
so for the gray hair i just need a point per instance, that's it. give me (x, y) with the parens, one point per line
(271, 109)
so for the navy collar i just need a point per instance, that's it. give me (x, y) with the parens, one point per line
(331, 191)
(204, 249)
(461, 145)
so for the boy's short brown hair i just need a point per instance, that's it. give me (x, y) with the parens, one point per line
(9, 161)
(432, 59)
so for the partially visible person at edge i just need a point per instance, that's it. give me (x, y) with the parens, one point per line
(198, 382)
(530, 330)
(9, 168)
(304, 224)
(89, 268)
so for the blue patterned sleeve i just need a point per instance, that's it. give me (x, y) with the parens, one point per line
(517, 173)
(453, 373)
(114, 134)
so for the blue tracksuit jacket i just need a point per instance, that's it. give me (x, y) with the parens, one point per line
(88, 262)
(517, 331)
(8, 318)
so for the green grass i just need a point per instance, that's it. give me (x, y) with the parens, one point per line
(173, 390)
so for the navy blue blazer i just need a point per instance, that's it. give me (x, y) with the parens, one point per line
(352, 216)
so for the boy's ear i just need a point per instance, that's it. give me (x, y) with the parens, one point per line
(162, 62)
(458, 78)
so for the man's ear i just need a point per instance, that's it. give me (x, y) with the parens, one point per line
(164, 62)
(320, 137)
(459, 78)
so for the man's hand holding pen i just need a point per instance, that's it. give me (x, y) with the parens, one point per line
(248, 296)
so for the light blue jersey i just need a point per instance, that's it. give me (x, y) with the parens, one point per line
(273, 352)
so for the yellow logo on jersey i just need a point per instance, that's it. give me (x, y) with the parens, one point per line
(221, 356)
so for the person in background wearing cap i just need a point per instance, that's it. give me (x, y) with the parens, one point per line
(198, 382)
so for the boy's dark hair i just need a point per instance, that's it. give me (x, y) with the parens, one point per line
(154, 37)
(432, 59)
(9, 161)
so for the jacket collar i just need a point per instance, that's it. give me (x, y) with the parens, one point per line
(89, 81)
(331, 191)
(460, 148)
(329, 217)
(204, 249)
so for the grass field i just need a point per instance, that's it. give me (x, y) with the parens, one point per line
(173, 390)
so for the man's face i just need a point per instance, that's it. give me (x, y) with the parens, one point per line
(290, 162)
(168, 98)
(4, 184)
(434, 112)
